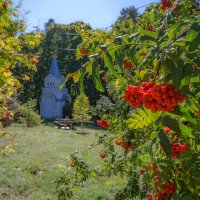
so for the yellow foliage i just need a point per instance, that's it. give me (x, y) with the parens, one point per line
(81, 109)
(12, 43)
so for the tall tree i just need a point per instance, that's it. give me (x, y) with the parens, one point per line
(128, 13)
(62, 39)
(126, 21)
(12, 41)
(81, 109)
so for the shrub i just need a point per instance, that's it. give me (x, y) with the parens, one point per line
(26, 114)
(81, 109)
(103, 105)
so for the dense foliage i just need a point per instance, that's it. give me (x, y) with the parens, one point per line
(153, 74)
(103, 106)
(60, 39)
(15, 50)
(27, 114)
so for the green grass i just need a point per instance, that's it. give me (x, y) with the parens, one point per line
(30, 172)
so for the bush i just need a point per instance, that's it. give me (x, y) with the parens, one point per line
(103, 106)
(26, 114)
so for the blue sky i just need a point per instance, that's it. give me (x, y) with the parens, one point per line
(98, 13)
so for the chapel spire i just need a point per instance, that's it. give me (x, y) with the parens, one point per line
(54, 69)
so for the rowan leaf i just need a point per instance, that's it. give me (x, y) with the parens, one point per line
(164, 142)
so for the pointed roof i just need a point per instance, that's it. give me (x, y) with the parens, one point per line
(54, 69)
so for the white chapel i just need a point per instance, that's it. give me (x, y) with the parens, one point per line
(54, 99)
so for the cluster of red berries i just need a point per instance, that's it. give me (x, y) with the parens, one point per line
(150, 197)
(34, 62)
(150, 28)
(103, 123)
(167, 129)
(133, 96)
(84, 51)
(143, 53)
(166, 4)
(156, 169)
(178, 148)
(103, 155)
(167, 191)
(4, 5)
(118, 142)
(126, 145)
(160, 97)
(104, 79)
(127, 64)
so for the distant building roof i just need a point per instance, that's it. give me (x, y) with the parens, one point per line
(54, 69)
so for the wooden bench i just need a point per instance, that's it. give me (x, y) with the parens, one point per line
(65, 123)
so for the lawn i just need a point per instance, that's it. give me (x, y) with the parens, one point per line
(30, 172)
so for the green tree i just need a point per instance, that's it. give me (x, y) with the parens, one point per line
(126, 21)
(62, 39)
(81, 109)
(128, 13)
(12, 42)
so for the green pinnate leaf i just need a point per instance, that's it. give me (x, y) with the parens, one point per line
(148, 35)
(182, 111)
(176, 126)
(96, 77)
(174, 30)
(142, 118)
(193, 37)
(177, 72)
(110, 66)
(164, 142)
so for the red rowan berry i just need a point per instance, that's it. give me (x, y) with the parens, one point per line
(166, 4)
(103, 123)
(4, 5)
(127, 64)
(118, 142)
(150, 166)
(150, 197)
(127, 146)
(143, 53)
(150, 28)
(84, 51)
(167, 129)
(104, 79)
(103, 155)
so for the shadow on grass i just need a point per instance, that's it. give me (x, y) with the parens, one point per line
(81, 132)
(91, 125)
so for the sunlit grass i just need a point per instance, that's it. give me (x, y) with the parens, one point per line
(30, 172)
